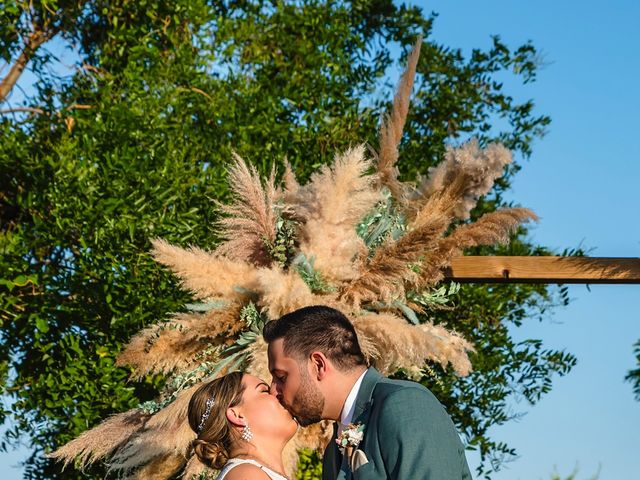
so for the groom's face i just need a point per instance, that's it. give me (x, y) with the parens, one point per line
(294, 386)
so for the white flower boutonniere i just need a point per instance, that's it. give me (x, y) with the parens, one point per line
(350, 438)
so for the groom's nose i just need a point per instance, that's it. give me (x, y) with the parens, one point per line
(273, 389)
(276, 391)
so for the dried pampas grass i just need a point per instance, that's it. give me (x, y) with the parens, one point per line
(393, 125)
(163, 466)
(328, 209)
(333, 250)
(314, 437)
(384, 276)
(281, 291)
(251, 220)
(339, 194)
(258, 364)
(99, 442)
(479, 168)
(291, 185)
(402, 345)
(417, 258)
(196, 470)
(492, 228)
(207, 275)
(173, 345)
(166, 434)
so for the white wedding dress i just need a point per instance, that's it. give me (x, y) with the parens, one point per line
(234, 462)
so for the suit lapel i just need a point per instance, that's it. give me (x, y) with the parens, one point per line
(334, 461)
(363, 400)
(344, 472)
(332, 458)
(361, 410)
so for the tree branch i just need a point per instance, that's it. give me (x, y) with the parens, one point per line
(21, 109)
(31, 44)
(75, 106)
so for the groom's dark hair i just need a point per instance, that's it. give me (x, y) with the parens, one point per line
(317, 328)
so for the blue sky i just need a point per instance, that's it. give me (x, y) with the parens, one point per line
(581, 180)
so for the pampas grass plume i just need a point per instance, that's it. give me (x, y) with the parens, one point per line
(403, 345)
(195, 469)
(384, 276)
(251, 220)
(480, 168)
(207, 275)
(492, 228)
(102, 440)
(166, 434)
(393, 125)
(173, 345)
(165, 466)
(329, 207)
(281, 291)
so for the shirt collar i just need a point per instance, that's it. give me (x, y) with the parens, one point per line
(346, 416)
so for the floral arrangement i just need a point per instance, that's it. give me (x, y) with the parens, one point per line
(350, 438)
(354, 237)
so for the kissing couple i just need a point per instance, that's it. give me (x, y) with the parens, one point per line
(384, 429)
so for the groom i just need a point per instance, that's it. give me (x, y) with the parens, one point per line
(319, 373)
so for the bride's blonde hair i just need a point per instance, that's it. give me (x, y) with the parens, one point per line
(208, 418)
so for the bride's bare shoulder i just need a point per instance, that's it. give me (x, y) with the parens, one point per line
(246, 471)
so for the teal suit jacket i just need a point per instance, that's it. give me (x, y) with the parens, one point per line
(408, 435)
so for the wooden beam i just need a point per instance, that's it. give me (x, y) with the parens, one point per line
(485, 269)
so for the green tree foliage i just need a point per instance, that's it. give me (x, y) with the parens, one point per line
(634, 375)
(134, 144)
(573, 476)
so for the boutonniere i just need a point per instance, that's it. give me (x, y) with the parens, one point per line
(350, 438)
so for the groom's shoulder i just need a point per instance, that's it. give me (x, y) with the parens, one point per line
(400, 399)
(390, 390)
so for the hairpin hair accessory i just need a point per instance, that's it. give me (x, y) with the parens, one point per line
(205, 415)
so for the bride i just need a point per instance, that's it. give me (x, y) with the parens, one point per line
(242, 428)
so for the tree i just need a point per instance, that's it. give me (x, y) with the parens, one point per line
(168, 90)
(634, 375)
(573, 475)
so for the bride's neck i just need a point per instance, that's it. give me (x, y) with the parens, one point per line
(267, 453)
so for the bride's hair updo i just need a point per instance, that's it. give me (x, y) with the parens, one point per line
(208, 418)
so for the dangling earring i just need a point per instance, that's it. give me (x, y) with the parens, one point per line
(247, 434)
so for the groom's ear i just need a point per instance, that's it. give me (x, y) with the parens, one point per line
(320, 365)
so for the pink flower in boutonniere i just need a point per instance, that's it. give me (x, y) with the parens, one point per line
(350, 438)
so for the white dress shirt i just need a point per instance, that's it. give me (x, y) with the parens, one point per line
(346, 416)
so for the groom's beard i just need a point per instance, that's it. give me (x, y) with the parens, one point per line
(308, 403)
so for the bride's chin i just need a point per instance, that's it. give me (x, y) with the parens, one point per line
(294, 428)
(292, 424)
(290, 415)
